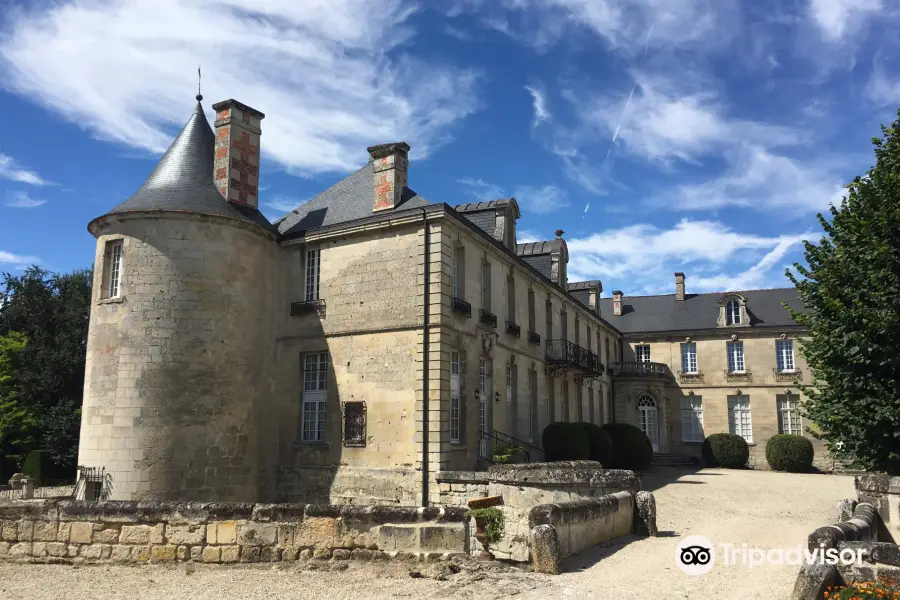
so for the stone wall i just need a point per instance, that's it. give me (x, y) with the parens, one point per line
(883, 492)
(456, 488)
(561, 530)
(75, 531)
(48, 491)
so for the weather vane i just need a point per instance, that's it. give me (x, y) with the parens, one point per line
(199, 95)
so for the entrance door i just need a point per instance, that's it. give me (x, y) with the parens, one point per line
(484, 405)
(649, 422)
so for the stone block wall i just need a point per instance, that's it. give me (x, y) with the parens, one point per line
(456, 488)
(49, 491)
(75, 531)
(883, 492)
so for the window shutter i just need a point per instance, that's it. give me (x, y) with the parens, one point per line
(463, 402)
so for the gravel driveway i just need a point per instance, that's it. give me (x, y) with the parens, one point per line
(762, 509)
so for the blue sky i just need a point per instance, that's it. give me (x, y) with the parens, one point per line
(662, 135)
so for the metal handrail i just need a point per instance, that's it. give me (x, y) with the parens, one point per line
(565, 352)
(495, 442)
(517, 441)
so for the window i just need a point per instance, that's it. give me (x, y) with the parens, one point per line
(551, 400)
(565, 401)
(312, 274)
(510, 299)
(735, 352)
(455, 411)
(732, 313)
(564, 325)
(739, 417)
(532, 406)
(784, 355)
(486, 286)
(579, 409)
(577, 332)
(354, 424)
(457, 273)
(315, 386)
(689, 358)
(591, 405)
(789, 415)
(549, 313)
(608, 357)
(114, 268)
(642, 352)
(454, 277)
(482, 376)
(531, 317)
(692, 419)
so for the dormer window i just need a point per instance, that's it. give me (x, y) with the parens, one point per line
(732, 313)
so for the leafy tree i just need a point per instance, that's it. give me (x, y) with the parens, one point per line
(18, 422)
(851, 289)
(51, 311)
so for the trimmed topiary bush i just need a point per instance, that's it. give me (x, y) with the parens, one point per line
(631, 447)
(565, 441)
(726, 450)
(38, 466)
(601, 444)
(791, 453)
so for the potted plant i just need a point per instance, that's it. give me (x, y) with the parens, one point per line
(507, 454)
(489, 528)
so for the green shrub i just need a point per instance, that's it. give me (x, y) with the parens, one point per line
(725, 450)
(791, 453)
(565, 441)
(601, 444)
(631, 447)
(504, 452)
(38, 466)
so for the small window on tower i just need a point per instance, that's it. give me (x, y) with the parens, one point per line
(354, 424)
(112, 261)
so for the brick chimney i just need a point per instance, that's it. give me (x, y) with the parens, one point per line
(617, 303)
(679, 286)
(390, 165)
(236, 170)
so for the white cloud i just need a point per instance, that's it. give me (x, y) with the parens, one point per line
(482, 190)
(284, 204)
(526, 236)
(540, 200)
(19, 199)
(13, 172)
(760, 179)
(840, 18)
(539, 104)
(637, 258)
(882, 89)
(17, 260)
(333, 77)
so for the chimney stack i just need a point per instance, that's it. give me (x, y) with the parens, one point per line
(617, 303)
(679, 286)
(236, 170)
(390, 166)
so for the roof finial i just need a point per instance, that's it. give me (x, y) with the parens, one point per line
(199, 95)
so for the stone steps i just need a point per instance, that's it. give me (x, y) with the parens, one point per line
(672, 460)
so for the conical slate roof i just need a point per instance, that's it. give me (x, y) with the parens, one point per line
(183, 179)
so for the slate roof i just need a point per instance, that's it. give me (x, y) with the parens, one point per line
(584, 285)
(183, 179)
(347, 200)
(545, 247)
(488, 205)
(699, 311)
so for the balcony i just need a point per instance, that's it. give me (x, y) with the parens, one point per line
(308, 307)
(534, 337)
(462, 307)
(640, 369)
(487, 318)
(513, 329)
(788, 376)
(688, 378)
(563, 355)
(739, 376)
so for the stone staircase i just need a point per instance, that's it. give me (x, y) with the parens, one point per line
(661, 459)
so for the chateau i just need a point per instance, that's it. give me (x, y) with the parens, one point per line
(371, 339)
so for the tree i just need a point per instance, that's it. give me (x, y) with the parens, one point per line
(18, 422)
(851, 291)
(52, 312)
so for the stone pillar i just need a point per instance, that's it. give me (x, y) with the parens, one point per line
(617, 303)
(236, 170)
(679, 286)
(390, 166)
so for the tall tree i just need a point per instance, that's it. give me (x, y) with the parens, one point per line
(851, 289)
(51, 311)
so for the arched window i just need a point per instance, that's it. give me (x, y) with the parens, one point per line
(646, 400)
(732, 313)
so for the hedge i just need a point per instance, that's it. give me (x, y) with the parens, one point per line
(38, 466)
(726, 450)
(601, 444)
(631, 447)
(791, 453)
(565, 441)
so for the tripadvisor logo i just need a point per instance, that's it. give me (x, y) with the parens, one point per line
(696, 555)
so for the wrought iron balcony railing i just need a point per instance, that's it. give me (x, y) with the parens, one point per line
(690, 377)
(487, 318)
(534, 337)
(513, 329)
(308, 307)
(462, 307)
(788, 376)
(567, 354)
(739, 376)
(640, 369)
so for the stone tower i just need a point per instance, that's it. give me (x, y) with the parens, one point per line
(179, 347)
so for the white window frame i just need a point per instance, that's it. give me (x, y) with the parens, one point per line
(116, 252)
(733, 317)
(790, 420)
(454, 275)
(784, 356)
(734, 353)
(689, 358)
(315, 397)
(740, 419)
(642, 353)
(311, 265)
(692, 419)
(455, 416)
